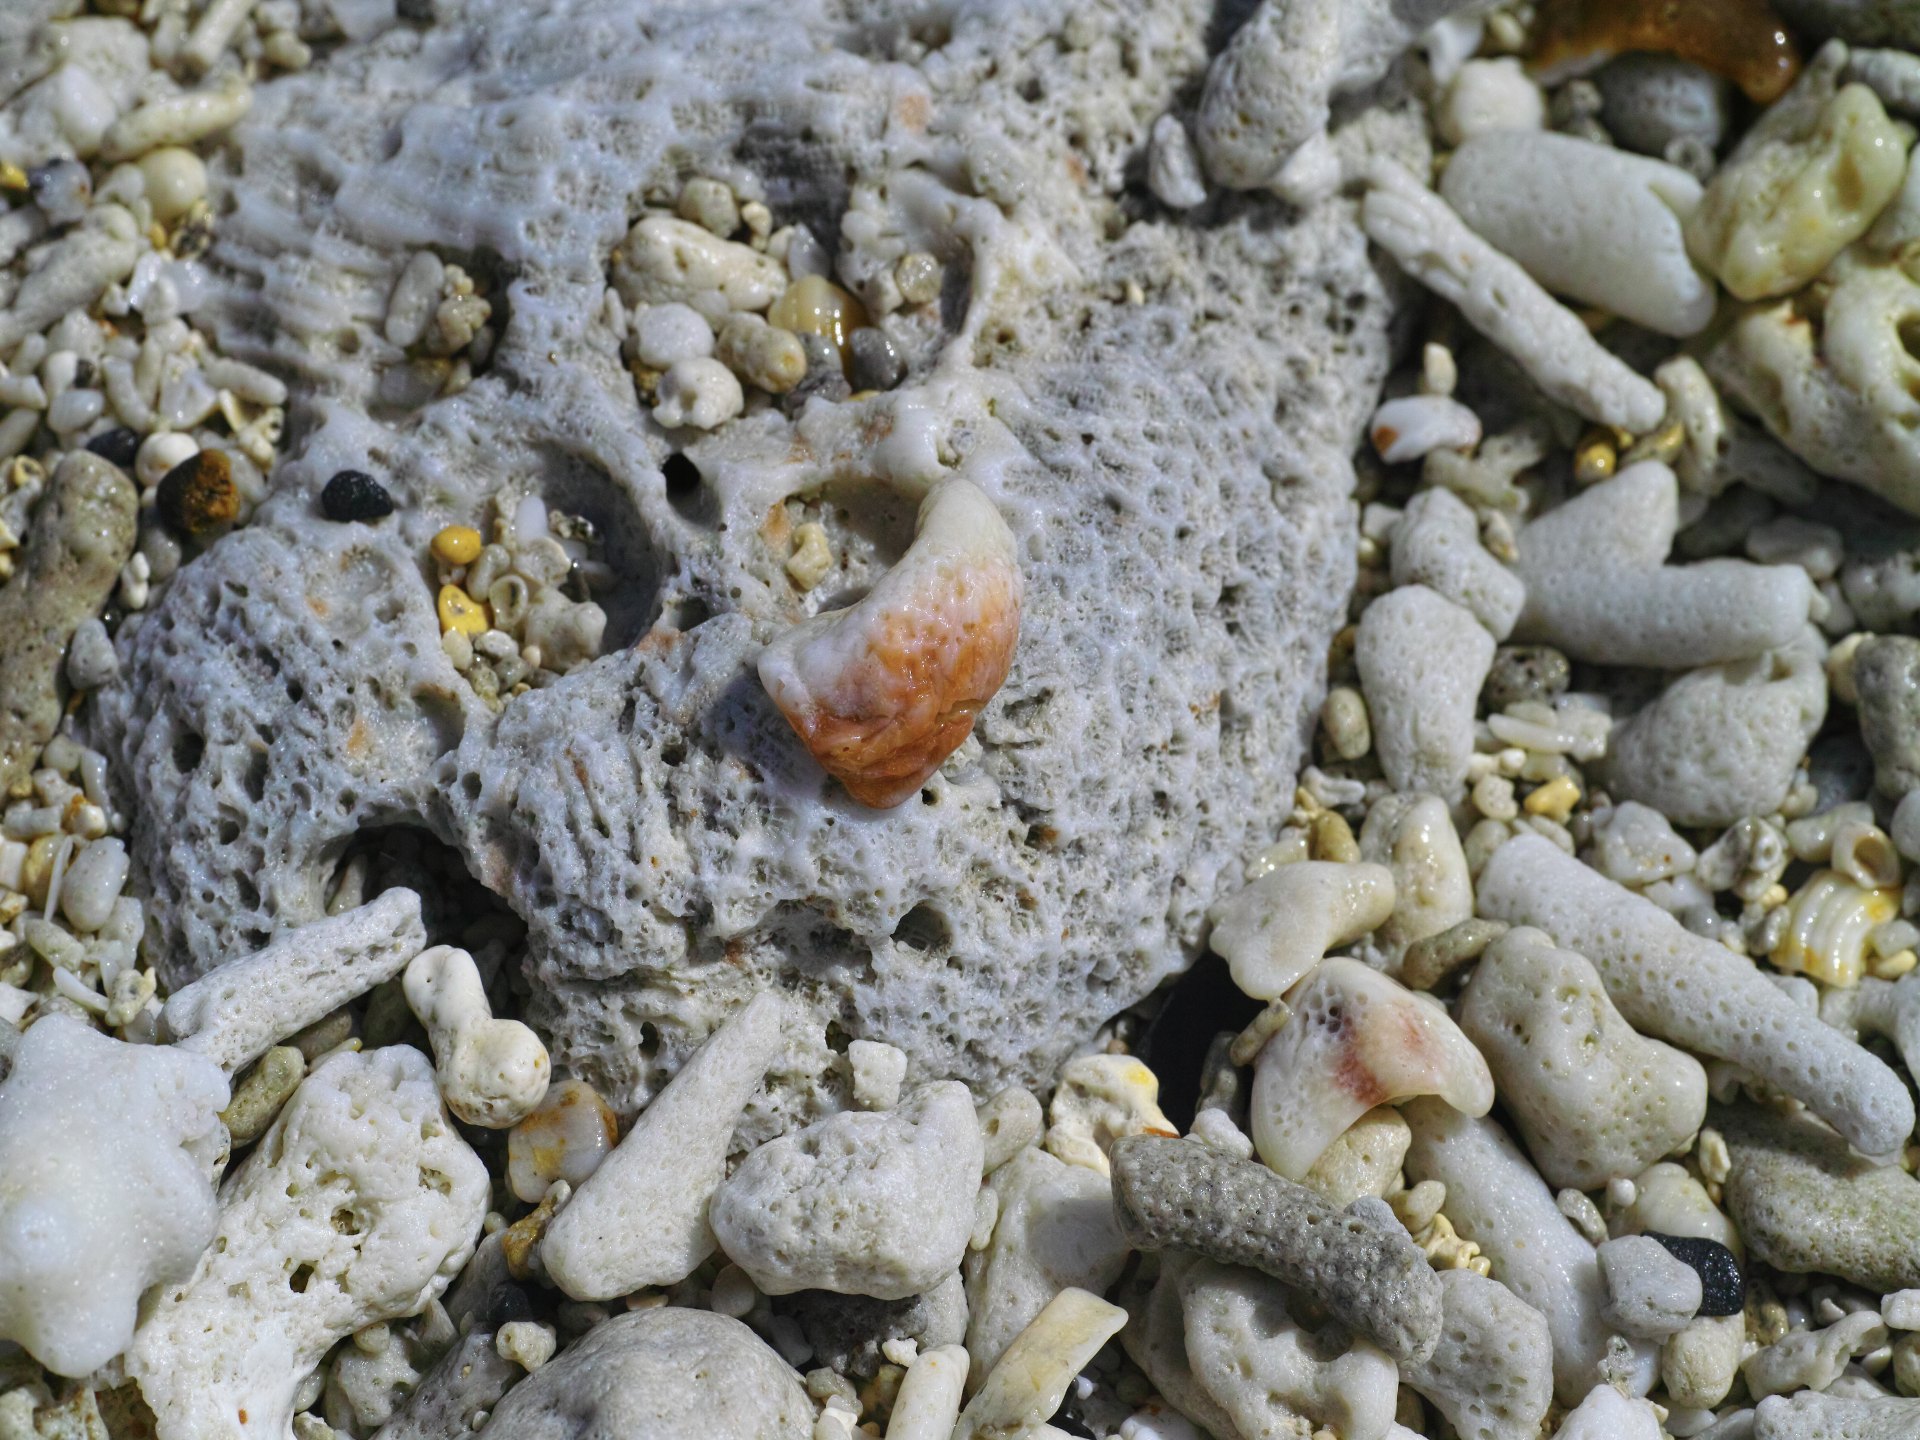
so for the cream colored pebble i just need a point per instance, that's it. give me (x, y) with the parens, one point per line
(491, 1072)
(1414, 837)
(1344, 717)
(159, 453)
(761, 354)
(878, 1070)
(1363, 1160)
(1800, 188)
(1031, 1379)
(565, 1137)
(175, 179)
(1356, 1039)
(928, 1402)
(812, 559)
(664, 335)
(1275, 930)
(527, 1343)
(667, 259)
(698, 392)
(1099, 1099)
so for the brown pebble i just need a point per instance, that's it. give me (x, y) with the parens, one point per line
(198, 497)
(1740, 39)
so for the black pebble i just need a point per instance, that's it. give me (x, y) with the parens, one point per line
(355, 495)
(1723, 1289)
(876, 362)
(118, 446)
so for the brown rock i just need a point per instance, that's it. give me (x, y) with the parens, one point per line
(198, 497)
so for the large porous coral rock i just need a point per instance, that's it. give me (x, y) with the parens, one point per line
(1161, 405)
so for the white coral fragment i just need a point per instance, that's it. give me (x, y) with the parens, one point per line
(107, 1157)
(1594, 1100)
(235, 1013)
(357, 1206)
(1504, 303)
(1275, 930)
(1586, 220)
(884, 690)
(1437, 544)
(1269, 1373)
(1356, 1039)
(492, 1072)
(1599, 589)
(636, 1221)
(1098, 1099)
(1422, 660)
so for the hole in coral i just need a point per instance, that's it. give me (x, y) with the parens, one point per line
(923, 928)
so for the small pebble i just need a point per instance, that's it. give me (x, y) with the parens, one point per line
(1723, 1289)
(119, 445)
(815, 305)
(91, 661)
(355, 495)
(918, 275)
(460, 611)
(1525, 672)
(197, 497)
(457, 545)
(160, 453)
(565, 1138)
(874, 361)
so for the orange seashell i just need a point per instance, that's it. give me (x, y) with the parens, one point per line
(1743, 40)
(885, 690)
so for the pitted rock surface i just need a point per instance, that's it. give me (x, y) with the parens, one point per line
(1162, 405)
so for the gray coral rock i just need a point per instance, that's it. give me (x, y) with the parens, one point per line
(1357, 1262)
(864, 1203)
(1176, 472)
(662, 1374)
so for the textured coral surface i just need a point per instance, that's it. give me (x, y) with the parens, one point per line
(1162, 406)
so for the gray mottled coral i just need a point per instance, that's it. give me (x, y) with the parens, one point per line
(1174, 472)
(1185, 1195)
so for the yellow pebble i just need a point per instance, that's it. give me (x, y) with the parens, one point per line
(1555, 799)
(1594, 457)
(1892, 967)
(460, 611)
(457, 545)
(816, 306)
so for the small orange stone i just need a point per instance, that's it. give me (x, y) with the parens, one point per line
(1743, 40)
(198, 497)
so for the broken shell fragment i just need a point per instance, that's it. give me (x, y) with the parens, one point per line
(884, 690)
(1356, 1040)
